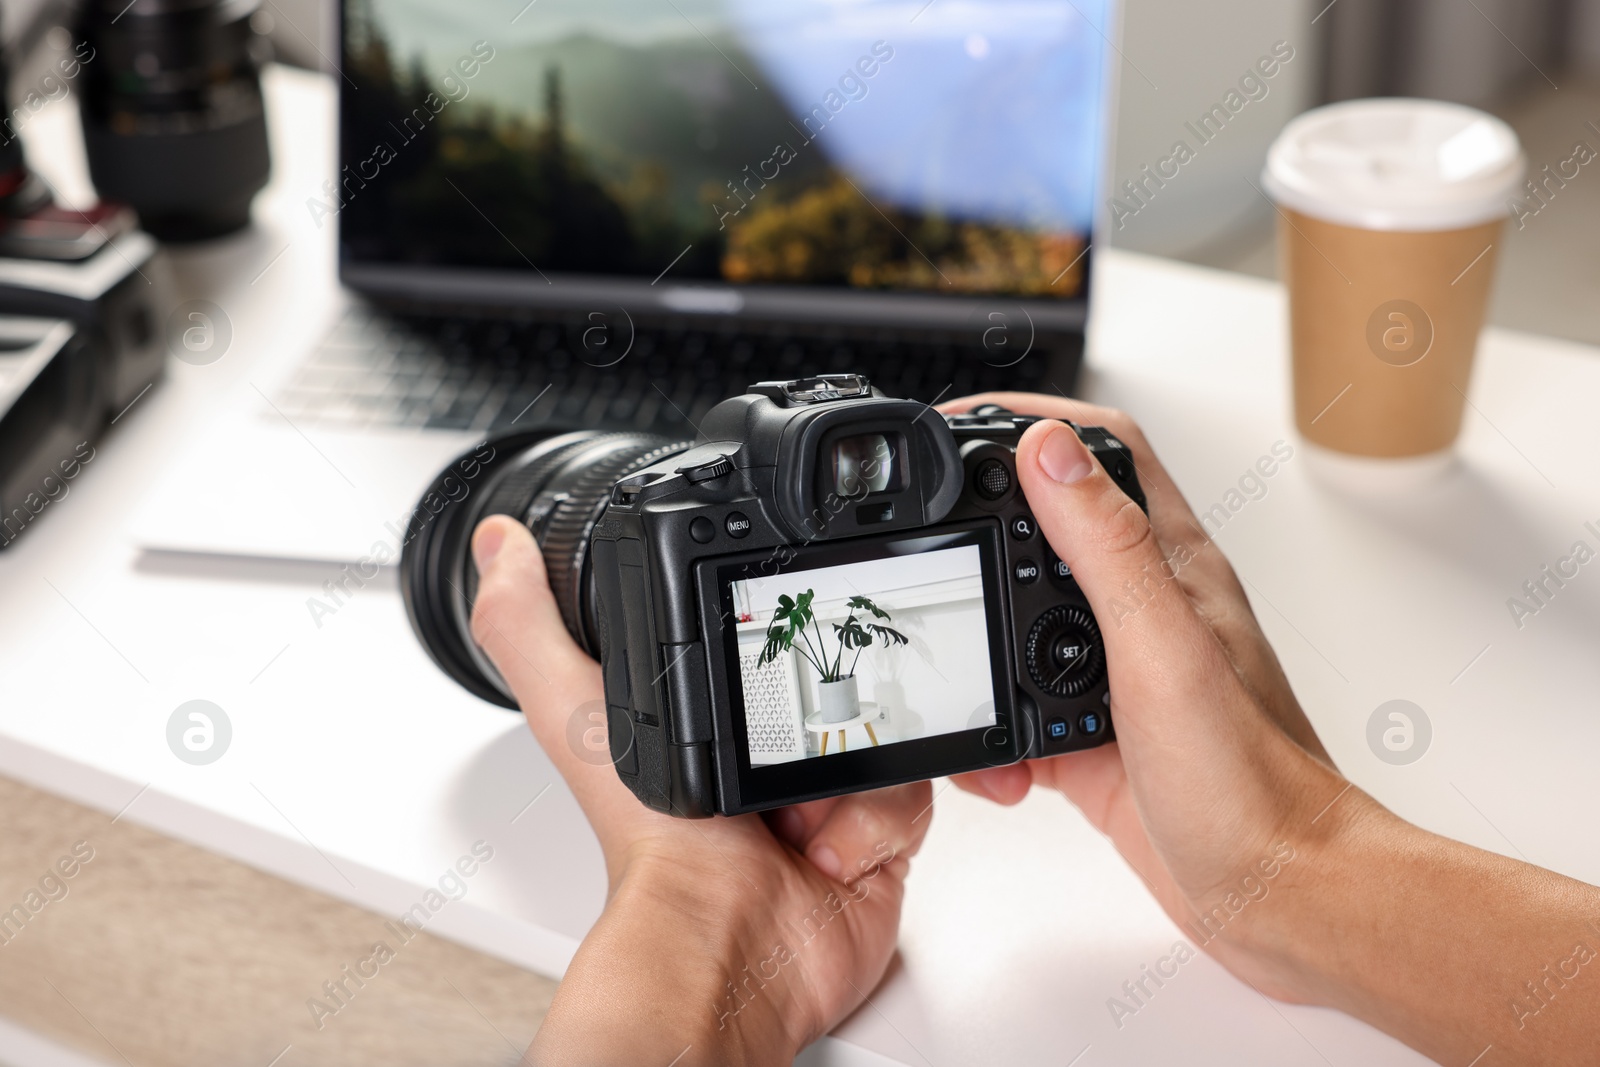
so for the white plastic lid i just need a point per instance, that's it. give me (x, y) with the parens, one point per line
(1396, 164)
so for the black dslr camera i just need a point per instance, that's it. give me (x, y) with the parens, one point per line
(829, 590)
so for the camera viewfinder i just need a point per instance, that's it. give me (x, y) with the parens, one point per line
(863, 464)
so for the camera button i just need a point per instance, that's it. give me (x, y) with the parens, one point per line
(1090, 723)
(1026, 571)
(1057, 729)
(704, 472)
(737, 524)
(1022, 527)
(702, 529)
(992, 479)
(1063, 653)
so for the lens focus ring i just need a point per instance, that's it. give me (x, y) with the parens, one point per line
(579, 500)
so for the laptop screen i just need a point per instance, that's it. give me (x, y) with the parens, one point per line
(926, 146)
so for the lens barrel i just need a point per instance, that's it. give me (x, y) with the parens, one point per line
(173, 118)
(557, 485)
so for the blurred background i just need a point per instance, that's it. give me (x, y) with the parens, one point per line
(1534, 63)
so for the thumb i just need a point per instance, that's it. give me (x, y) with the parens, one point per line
(515, 619)
(1102, 534)
(1173, 692)
(1160, 655)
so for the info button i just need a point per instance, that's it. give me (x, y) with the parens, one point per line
(1027, 571)
(737, 524)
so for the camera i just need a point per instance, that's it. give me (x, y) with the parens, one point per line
(80, 340)
(827, 591)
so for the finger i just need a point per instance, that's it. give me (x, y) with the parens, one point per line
(1191, 557)
(868, 831)
(516, 622)
(1159, 652)
(1107, 540)
(1004, 785)
(1095, 781)
(1174, 521)
(514, 598)
(796, 824)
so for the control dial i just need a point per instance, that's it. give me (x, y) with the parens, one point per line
(1064, 655)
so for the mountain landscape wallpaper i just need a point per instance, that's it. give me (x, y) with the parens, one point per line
(794, 142)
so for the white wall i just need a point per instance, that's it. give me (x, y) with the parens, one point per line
(1585, 41)
(1476, 56)
(1181, 57)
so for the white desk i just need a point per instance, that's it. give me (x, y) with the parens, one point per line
(356, 768)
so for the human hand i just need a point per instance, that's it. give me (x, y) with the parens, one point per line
(1217, 792)
(1216, 775)
(736, 939)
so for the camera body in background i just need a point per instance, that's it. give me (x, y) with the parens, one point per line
(81, 297)
(833, 591)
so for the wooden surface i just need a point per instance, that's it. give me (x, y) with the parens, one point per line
(163, 955)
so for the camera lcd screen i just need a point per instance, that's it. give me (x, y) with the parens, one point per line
(866, 662)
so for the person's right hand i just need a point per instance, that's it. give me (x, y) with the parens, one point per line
(1216, 776)
(1219, 794)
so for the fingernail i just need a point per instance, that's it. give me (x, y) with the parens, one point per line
(826, 860)
(1063, 456)
(486, 544)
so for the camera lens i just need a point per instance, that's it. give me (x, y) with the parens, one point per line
(862, 464)
(555, 484)
(172, 112)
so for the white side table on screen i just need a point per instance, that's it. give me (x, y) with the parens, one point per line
(862, 718)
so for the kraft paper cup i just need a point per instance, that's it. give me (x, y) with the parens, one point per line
(1390, 219)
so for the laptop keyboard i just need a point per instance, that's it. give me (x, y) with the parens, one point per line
(441, 371)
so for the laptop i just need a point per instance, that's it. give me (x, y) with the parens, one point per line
(615, 213)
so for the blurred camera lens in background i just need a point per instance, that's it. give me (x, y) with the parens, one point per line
(862, 464)
(172, 111)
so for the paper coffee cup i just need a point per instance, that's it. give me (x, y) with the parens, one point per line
(1390, 218)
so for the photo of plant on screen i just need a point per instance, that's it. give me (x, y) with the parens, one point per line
(857, 655)
(794, 620)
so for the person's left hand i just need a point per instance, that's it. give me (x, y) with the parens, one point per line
(723, 940)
